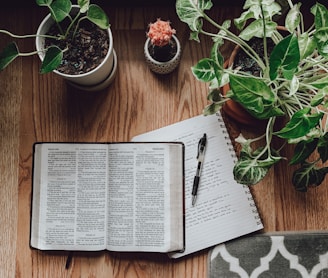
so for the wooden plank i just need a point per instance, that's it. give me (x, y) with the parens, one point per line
(38, 107)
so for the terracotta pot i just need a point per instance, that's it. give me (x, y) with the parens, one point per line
(163, 67)
(94, 80)
(234, 109)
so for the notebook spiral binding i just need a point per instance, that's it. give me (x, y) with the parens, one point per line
(235, 159)
(227, 137)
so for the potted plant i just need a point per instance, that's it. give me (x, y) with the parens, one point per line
(162, 48)
(74, 41)
(292, 85)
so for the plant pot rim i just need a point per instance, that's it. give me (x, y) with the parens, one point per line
(235, 110)
(163, 63)
(41, 54)
(102, 85)
(235, 50)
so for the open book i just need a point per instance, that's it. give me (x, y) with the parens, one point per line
(115, 196)
(224, 209)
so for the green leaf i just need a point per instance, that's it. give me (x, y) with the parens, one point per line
(293, 18)
(192, 12)
(60, 9)
(44, 2)
(98, 16)
(212, 108)
(323, 147)
(205, 70)
(285, 57)
(321, 38)
(268, 162)
(321, 26)
(255, 96)
(306, 45)
(214, 95)
(307, 176)
(321, 83)
(84, 5)
(313, 133)
(303, 150)
(255, 29)
(194, 36)
(300, 124)
(321, 16)
(241, 21)
(217, 57)
(294, 86)
(250, 168)
(319, 97)
(248, 172)
(256, 10)
(224, 79)
(225, 25)
(216, 54)
(8, 54)
(269, 7)
(52, 59)
(251, 3)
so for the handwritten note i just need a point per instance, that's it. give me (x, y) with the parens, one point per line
(224, 208)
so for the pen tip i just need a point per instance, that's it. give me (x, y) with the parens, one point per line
(193, 200)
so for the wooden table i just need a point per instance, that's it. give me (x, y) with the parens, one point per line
(38, 107)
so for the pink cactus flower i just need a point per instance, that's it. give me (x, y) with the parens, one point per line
(160, 32)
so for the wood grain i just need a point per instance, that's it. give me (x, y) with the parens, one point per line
(38, 107)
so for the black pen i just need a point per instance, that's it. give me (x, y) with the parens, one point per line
(200, 158)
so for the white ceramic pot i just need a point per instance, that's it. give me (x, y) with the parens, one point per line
(163, 67)
(96, 79)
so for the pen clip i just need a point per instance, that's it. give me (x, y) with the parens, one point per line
(201, 147)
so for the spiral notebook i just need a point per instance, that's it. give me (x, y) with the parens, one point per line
(224, 209)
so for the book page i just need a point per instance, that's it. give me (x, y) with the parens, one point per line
(224, 209)
(145, 194)
(69, 196)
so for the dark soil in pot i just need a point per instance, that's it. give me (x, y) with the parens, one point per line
(247, 64)
(86, 49)
(163, 53)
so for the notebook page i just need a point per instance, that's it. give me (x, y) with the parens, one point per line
(224, 209)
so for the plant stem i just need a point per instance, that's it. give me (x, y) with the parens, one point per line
(28, 53)
(256, 139)
(72, 24)
(226, 34)
(268, 134)
(265, 43)
(25, 36)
